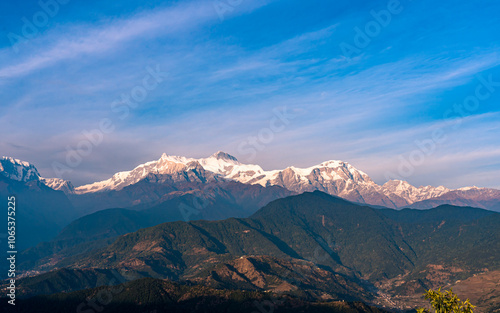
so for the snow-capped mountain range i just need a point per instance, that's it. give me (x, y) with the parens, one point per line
(334, 177)
(25, 172)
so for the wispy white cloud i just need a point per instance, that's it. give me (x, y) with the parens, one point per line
(82, 41)
(106, 37)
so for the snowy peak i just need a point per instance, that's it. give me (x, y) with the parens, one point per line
(324, 172)
(23, 171)
(410, 193)
(59, 184)
(220, 164)
(177, 167)
(477, 192)
(396, 184)
(223, 156)
(18, 170)
(472, 188)
(334, 177)
(346, 171)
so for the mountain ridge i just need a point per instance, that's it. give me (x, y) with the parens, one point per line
(334, 177)
(307, 243)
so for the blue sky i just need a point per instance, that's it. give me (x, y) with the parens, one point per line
(226, 68)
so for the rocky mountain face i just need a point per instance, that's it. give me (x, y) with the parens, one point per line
(179, 169)
(333, 177)
(22, 171)
(59, 184)
(18, 170)
(403, 194)
(336, 178)
(486, 198)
